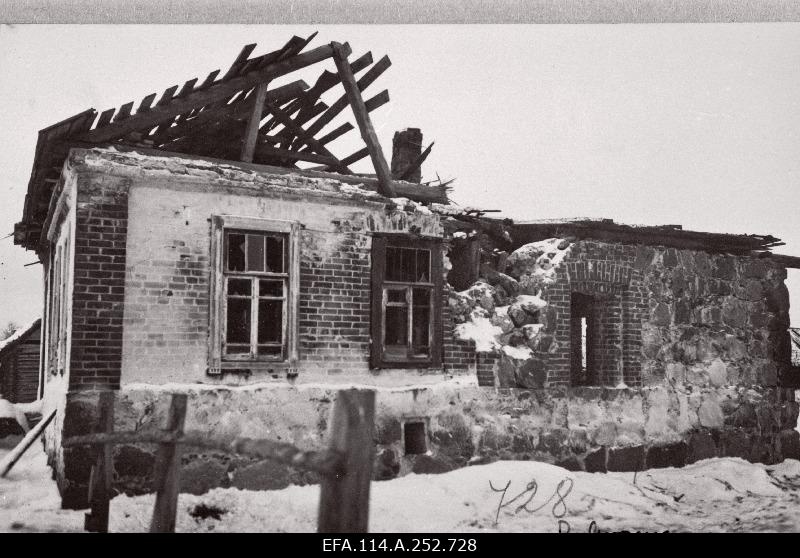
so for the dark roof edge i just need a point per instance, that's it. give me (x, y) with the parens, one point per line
(20, 337)
(669, 235)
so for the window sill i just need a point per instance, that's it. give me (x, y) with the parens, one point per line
(250, 367)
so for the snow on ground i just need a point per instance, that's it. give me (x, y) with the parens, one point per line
(722, 494)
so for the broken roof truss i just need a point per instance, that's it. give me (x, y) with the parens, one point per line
(234, 117)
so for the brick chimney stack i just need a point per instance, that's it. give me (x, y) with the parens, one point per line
(406, 148)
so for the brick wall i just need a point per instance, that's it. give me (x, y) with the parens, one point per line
(606, 272)
(458, 356)
(169, 271)
(334, 306)
(99, 281)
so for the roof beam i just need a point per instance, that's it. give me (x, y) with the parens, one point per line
(298, 131)
(236, 111)
(340, 54)
(214, 93)
(251, 132)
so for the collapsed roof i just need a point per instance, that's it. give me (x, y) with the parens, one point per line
(233, 117)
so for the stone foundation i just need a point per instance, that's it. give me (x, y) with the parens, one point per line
(591, 429)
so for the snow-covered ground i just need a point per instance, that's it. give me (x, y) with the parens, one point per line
(713, 495)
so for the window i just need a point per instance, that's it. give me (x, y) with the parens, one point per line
(583, 339)
(415, 438)
(58, 311)
(254, 315)
(406, 301)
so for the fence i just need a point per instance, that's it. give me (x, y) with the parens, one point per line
(345, 466)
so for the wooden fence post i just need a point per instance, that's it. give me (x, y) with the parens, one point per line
(167, 470)
(102, 474)
(344, 497)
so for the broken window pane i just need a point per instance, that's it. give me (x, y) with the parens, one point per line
(423, 266)
(238, 322)
(239, 287)
(275, 254)
(396, 325)
(270, 321)
(270, 288)
(255, 252)
(235, 256)
(409, 265)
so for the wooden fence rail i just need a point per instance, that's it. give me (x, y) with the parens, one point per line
(345, 467)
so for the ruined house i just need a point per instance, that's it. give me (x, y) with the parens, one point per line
(189, 246)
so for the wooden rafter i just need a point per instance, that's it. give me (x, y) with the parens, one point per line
(233, 117)
(366, 80)
(236, 111)
(368, 134)
(251, 132)
(224, 90)
(317, 147)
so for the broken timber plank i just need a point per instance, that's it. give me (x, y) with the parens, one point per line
(364, 124)
(167, 470)
(267, 151)
(19, 450)
(237, 111)
(284, 119)
(102, 472)
(366, 80)
(216, 92)
(330, 136)
(415, 164)
(251, 132)
(344, 498)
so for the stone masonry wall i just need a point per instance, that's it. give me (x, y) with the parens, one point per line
(663, 316)
(592, 429)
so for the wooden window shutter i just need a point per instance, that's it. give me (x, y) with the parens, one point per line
(378, 255)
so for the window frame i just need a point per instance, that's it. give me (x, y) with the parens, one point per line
(220, 224)
(378, 354)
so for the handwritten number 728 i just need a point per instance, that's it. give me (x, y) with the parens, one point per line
(559, 509)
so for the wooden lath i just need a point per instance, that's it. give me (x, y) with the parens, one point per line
(221, 91)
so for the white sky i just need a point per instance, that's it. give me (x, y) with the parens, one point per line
(696, 125)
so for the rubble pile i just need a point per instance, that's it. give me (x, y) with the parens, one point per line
(504, 311)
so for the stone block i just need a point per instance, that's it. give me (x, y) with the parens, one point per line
(388, 430)
(201, 474)
(595, 462)
(672, 455)
(431, 465)
(605, 433)
(626, 459)
(662, 315)
(735, 443)
(387, 465)
(790, 444)
(710, 413)
(570, 464)
(532, 374)
(701, 446)
(718, 373)
(519, 316)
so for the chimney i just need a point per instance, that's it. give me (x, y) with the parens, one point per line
(406, 149)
